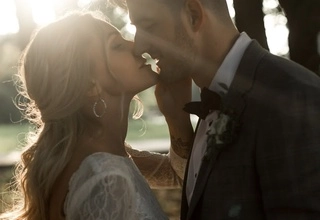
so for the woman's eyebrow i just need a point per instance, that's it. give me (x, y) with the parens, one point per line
(109, 35)
(112, 33)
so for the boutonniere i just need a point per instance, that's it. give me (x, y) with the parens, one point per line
(222, 131)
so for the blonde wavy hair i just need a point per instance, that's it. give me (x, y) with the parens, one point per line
(54, 77)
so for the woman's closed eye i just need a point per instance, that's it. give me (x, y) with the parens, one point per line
(149, 28)
(117, 46)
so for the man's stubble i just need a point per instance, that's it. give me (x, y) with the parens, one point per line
(182, 59)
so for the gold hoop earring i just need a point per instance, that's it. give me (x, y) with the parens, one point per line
(103, 103)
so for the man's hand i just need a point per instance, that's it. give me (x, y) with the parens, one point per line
(171, 99)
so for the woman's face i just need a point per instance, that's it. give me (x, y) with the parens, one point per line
(119, 70)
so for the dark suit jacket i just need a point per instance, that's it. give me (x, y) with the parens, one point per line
(272, 170)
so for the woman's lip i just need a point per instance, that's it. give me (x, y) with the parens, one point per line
(144, 65)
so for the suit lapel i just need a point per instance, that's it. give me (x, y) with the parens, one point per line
(244, 78)
(235, 100)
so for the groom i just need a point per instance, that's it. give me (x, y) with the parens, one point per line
(258, 156)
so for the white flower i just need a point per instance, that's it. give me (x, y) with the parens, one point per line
(222, 132)
(218, 127)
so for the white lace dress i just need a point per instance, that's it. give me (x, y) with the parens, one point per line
(107, 186)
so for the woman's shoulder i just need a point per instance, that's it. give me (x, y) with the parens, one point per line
(98, 159)
(112, 180)
(101, 177)
(98, 170)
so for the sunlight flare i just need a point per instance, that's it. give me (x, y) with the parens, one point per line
(8, 20)
(84, 3)
(42, 11)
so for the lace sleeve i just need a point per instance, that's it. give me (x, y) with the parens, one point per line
(160, 170)
(104, 197)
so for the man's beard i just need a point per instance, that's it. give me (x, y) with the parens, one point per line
(183, 58)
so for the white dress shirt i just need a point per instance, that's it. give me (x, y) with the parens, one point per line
(225, 75)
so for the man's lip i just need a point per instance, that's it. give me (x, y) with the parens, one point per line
(158, 63)
(157, 67)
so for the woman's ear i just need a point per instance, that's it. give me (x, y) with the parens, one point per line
(95, 89)
(195, 13)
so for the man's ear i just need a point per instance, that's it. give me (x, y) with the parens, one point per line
(195, 13)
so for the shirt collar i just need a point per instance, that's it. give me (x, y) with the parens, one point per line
(228, 68)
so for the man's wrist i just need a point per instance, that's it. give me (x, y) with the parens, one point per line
(181, 147)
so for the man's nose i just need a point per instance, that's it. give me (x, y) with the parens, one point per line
(138, 48)
(140, 44)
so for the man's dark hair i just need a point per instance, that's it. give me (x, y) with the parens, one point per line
(174, 4)
(219, 7)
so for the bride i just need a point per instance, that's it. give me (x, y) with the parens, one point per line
(78, 77)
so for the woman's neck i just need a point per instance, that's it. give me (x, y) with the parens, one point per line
(109, 132)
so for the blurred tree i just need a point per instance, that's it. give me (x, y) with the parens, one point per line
(303, 23)
(249, 18)
(304, 27)
(8, 111)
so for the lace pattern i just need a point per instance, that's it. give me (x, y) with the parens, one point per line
(160, 170)
(110, 187)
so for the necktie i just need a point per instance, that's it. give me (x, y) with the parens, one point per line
(210, 101)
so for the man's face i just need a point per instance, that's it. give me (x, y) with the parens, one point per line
(161, 34)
